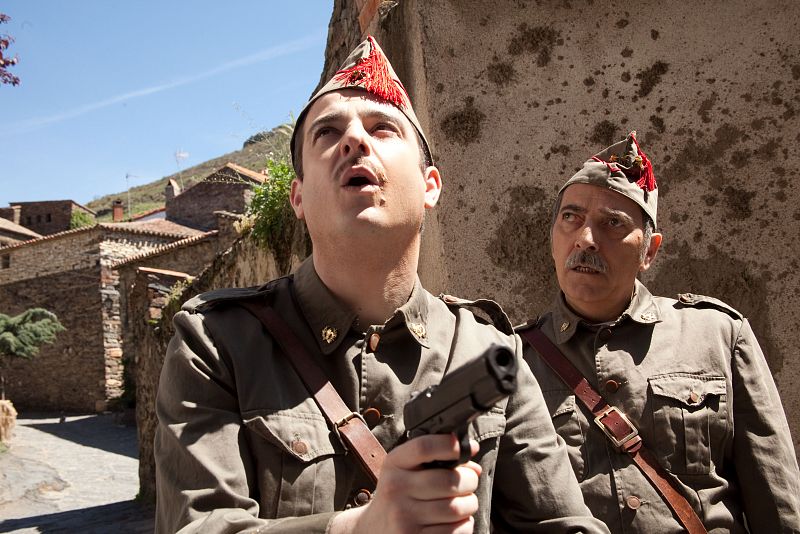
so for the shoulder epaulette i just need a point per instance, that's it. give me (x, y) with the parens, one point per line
(531, 323)
(211, 299)
(489, 311)
(702, 301)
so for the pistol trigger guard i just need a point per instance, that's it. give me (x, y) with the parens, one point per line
(464, 445)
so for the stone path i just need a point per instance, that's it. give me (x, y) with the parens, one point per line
(80, 475)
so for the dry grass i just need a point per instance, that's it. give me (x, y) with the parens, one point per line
(8, 418)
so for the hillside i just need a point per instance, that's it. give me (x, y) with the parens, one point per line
(253, 155)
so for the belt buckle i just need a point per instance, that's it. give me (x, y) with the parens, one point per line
(618, 443)
(343, 421)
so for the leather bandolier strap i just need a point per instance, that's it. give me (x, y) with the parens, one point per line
(348, 425)
(618, 428)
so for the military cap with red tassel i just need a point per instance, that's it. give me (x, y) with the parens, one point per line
(625, 168)
(367, 69)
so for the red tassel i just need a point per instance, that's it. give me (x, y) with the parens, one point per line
(372, 72)
(647, 180)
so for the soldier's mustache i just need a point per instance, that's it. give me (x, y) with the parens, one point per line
(585, 258)
(359, 160)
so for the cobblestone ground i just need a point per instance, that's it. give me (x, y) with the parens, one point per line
(79, 475)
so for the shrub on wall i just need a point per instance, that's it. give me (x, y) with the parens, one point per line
(79, 219)
(270, 211)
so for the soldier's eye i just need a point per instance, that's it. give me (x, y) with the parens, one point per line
(322, 131)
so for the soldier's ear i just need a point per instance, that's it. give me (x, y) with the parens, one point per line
(433, 186)
(652, 250)
(296, 198)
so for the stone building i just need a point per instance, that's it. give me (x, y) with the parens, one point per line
(84, 275)
(44, 217)
(69, 274)
(228, 189)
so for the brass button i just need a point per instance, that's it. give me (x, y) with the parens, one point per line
(694, 397)
(299, 446)
(612, 386)
(372, 416)
(605, 334)
(633, 502)
(374, 339)
(362, 497)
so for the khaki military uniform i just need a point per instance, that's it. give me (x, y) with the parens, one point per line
(690, 375)
(241, 446)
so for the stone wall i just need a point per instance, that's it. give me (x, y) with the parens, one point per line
(76, 249)
(195, 207)
(79, 249)
(515, 95)
(68, 375)
(79, 261)
(244, 264)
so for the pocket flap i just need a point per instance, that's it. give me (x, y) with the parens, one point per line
(559, 402)
(686, 388)
(300, 433)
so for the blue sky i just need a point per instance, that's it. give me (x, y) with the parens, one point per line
(116, 88)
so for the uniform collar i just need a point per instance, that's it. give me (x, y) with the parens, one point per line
(413, 315)
(330, 319)
(642, 309)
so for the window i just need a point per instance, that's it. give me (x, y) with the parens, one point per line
(48, 218)
(38, 218)
(6, 261)
(28, 220)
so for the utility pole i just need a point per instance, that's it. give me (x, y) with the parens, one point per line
(128, 176)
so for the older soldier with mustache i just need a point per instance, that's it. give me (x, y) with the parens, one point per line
(669, 411)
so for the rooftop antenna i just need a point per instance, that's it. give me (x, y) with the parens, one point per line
(180, 155)
(128, 176)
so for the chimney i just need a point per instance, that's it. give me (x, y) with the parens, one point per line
(118, 211)
(11, 213)
(171, 190)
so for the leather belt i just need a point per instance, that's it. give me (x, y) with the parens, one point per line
(617, 428)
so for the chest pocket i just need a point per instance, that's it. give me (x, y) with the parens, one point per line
(571, 425)
(690, 421)
(296, 456)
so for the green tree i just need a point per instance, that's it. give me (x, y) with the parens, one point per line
(23, 334)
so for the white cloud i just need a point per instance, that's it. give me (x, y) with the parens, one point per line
(285, 49)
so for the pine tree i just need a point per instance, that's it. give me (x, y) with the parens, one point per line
(23, 334)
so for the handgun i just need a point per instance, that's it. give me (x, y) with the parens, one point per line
(462, 395)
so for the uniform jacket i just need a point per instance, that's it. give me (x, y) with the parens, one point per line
(691, 376)
(241, 446)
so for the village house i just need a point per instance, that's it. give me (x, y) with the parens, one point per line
(46, 217)
(83, 276)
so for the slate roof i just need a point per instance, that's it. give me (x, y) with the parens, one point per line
(158, 228)
(164, 248)
(11, 226)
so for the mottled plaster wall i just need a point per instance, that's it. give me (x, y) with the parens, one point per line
(516, 95)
